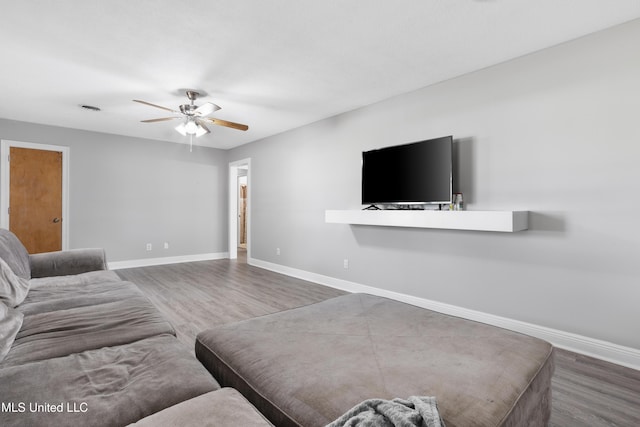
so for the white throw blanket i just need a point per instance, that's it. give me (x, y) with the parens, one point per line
(414, 411)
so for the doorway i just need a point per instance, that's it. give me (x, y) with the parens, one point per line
(240, 210)
(34, 194)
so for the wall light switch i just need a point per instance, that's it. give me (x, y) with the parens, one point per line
(166, 245)
(149, 246)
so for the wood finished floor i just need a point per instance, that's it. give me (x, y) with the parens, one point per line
(196, 296)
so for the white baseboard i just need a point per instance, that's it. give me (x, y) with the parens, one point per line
(146, 262)
(610, 352)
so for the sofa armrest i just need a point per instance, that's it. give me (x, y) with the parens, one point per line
(64, 263)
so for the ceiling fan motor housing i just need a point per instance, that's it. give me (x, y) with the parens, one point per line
(188, 109)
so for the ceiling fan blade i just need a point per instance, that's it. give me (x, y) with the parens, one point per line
(154, 105)
(227, 124)
(206, 109)
(159, 120)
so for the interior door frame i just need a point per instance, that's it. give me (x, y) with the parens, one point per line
(233, 207)
(5, 176)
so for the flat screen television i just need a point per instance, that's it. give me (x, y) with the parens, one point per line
(418, 173)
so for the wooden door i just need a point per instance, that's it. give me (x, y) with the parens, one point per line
(243, 214)
(35, 198)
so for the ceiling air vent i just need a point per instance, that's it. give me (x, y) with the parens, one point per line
(90, 107)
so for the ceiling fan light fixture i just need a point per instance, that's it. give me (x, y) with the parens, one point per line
(201, 131)
(181, 128)
(191, 127)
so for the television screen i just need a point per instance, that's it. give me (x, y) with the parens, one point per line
(416, 173)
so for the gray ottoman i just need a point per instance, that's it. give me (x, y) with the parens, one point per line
(307, 366)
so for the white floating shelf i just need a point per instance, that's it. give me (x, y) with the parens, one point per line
(504, 221)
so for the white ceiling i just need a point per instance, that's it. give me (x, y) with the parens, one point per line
(272, 64)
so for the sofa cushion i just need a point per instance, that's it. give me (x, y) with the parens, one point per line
(221, 408)
(63, 332)
(10, 323)
(52, 296)
(309, 365)
(111, 386)
(98, 276)
(13, 289)
(14, 253)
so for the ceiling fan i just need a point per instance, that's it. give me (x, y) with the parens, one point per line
(194, 116)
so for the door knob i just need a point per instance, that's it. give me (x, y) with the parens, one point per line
(56, 220)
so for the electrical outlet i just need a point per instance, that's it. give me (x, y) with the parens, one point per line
(166, 245)
(277, 251)
(345, 263)
(149, 246)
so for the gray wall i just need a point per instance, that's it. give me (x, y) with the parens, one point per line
(126, 192)
(556, 132)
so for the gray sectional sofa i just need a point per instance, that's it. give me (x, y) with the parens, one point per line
(79, 346)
